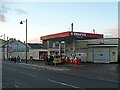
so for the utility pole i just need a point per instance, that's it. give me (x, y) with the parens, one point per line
(26, 40)
(72, 27)
(7, 47)
(94, 31)
(73, 42)
(4, 36)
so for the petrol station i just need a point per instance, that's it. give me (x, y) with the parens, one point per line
(70, 44)
(88, 47)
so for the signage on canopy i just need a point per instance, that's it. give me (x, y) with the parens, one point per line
(78, 34)
(88, 35)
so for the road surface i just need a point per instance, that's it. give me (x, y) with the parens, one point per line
(20, 76)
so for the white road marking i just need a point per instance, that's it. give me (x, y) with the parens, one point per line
(63, 83)
(16, 86)
(33, 68)
(29, 74)
(99, 78)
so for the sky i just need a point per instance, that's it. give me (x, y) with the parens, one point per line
(46, 18)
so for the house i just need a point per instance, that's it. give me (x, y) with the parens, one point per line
(2, 42)
(14, 48)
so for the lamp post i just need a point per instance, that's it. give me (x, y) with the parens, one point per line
(7, 47)
(26, 36)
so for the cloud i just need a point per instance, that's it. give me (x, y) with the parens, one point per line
(2, 18)
(34, 40)
(5, 9)
(112, 32)
(21, 11)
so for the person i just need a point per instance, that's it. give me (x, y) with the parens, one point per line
(18, 58)
(51, 60)
(46, 59)
(15, 59)
(10, 58)
(31, 59)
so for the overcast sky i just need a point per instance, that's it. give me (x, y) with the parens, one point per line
(53, 17)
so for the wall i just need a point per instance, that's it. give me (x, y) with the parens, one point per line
(21, 54)
(105, 41)
(113, 54)
(113, 51)
(82, 50)
(17, 46)
(1, 49)
(34, 53)
(111, 41)
(69, 48)
(81, 46)
(90, 55)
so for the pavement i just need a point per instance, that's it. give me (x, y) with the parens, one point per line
(104, 72)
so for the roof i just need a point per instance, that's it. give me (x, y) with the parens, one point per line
(70, 33)
(14, 40)
(35, 45)
(104, 45)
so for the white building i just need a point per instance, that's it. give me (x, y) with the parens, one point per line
(14, 48)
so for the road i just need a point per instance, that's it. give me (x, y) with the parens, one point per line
(20, 76)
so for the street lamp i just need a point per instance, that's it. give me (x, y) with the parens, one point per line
(26, 36)
(7, 47)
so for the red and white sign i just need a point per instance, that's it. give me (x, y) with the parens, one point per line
(78, 34)
(9, 49)
(89, 35)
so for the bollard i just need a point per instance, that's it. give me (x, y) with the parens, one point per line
(66, 60)
(79, 62)
(71, 61)
(75, 60)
